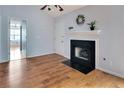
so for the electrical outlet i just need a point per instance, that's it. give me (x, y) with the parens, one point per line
(104, 59)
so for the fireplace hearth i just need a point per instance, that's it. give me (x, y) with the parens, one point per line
(82, 55)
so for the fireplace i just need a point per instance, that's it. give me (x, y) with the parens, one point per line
(82, 55)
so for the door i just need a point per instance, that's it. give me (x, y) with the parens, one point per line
(60, 38)
(23, 38)
(17, 30)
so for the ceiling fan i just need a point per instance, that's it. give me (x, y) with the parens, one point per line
(49, 8)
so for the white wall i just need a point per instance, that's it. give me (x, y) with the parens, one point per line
(110, 19)
(39, 34)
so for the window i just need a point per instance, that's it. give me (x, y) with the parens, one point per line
(15, 32)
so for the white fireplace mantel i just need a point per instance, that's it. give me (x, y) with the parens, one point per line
(85, 35)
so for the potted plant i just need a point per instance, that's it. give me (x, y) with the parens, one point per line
(92, 25)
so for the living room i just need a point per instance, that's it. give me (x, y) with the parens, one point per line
(55, 37)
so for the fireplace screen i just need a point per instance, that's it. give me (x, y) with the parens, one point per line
(82, 53)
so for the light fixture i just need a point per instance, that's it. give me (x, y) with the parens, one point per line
(49, 8)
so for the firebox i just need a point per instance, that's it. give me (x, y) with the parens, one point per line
(82, 55)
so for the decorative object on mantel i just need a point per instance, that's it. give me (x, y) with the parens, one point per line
(92, 25)
(71, 27)
(80, 19)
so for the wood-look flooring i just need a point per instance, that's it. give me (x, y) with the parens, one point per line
(49, 72)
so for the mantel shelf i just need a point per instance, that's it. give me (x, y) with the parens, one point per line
(95, 32)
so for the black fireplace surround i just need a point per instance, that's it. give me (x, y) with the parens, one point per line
(82, 55)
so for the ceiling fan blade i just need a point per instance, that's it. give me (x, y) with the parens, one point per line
(60, 8)
(43, 7)
(56, 6)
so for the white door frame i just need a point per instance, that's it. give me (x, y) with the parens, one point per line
(8, 28)
(0, 40)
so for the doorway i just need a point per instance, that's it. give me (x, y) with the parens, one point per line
(17, 30)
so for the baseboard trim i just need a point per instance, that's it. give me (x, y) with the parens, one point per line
(39, 55)
(61, 54)
(110, 72)
(4, 61)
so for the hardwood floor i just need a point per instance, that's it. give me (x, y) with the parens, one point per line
(48, 71)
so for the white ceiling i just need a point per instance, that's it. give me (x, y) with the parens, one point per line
(67, 8)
